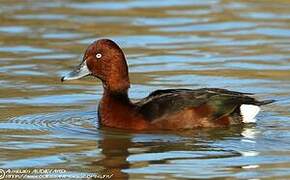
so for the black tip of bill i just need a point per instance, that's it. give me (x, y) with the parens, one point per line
(79, 72)
(62, 79)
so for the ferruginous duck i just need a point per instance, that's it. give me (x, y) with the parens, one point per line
(172, 109)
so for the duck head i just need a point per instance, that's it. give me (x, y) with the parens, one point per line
(105, 60)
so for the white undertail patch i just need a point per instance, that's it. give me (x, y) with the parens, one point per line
(249, 112)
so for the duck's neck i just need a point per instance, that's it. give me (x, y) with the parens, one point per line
(114, 108)
(120, 97)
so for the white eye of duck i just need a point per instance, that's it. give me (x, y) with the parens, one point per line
(98, 55)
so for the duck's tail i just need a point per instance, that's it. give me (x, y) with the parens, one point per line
(249, 111)
(265, 102)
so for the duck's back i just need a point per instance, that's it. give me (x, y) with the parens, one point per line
(207, 107)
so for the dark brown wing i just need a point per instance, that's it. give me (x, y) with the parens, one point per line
(169, 101)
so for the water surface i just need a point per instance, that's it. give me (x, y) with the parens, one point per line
(239, 45)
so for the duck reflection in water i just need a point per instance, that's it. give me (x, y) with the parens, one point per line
(123, 151)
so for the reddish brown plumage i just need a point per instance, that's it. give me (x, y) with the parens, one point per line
(111, 68)
(115, 110)
(162, 109)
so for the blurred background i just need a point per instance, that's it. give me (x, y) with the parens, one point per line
(241, 45)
